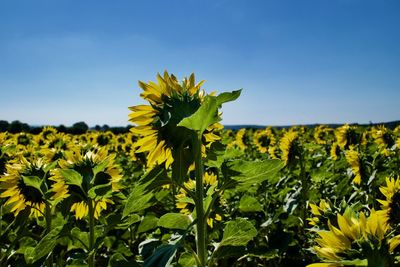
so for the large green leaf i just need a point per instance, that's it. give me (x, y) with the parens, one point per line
(249, 204)
(45, 246)
(149, 222)
(174, 221)
(248, 173)
(228, 96)
(138, 200)
(32, 181)
(72, 177)
(238, 233)
(206, 115)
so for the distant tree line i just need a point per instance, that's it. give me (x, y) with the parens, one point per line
(77, 128)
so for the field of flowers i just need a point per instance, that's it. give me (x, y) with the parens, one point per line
(180, 190)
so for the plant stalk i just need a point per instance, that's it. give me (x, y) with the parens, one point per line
(201, 226)
(91, 258)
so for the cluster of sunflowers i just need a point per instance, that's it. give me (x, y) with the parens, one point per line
(180, 190)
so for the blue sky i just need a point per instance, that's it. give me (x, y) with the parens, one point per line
(308, 61)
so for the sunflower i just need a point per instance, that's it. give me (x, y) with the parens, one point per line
(335, 150)
(383, 139)
(185, 203)
(391, 205)
(26, 185)
(346, 136)
(169, 103)
(240, 139)
(353, 159)
(95, 168)
(317, 211)
(289, 146)
(321, 134)
(348, 240)
(265, 141)
(45, 135)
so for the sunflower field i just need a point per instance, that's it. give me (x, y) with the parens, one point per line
(180, 190)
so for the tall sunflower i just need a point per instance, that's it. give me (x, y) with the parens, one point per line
(169, 103)
(26, 184)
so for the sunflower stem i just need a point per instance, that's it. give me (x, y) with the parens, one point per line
(201, 227)
(47, 213)
(91, 258)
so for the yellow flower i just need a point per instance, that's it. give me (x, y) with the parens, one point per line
(239, 139)
(391, 205)
(81, 209)
(321, 134)
(339, 242)
(21, 194)
(96, 167)
(341, 135)
(265, 140)
(288, 146)
(353, 159)
(335, 151)
(186, 204)
(169, 103)
(318, 211)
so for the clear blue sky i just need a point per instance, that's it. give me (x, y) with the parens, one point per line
(298, 61)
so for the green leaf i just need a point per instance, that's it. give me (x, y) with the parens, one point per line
(80, 239)
(100, 191)
(33, 181)
(248, 173)
(205, 116)
(228, 96)
(137, 201)
(174, 221)
(187, 260)
(118, 260)
(161, 257)
(249, 204)
(45, 246)
(149, 222)
(72, 177)
(131, 219)
(238, 233)
(50, 166)
(100, 166)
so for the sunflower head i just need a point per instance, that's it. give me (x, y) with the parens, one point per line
(169, 102)
(322, 134)
(355, 237)
(85, 169)
(353, 159)
(391, 205)
(290, 147)
(346, 136)
(335, 151)
(26, 185)
(186, 204)
(265, 140)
